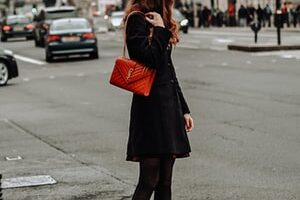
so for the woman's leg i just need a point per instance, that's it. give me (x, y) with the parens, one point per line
(163, 189)
(149, 176)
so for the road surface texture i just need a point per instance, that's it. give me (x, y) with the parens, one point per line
(65, 120)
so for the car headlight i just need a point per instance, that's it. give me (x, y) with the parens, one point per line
(8, 52)
(184, 22)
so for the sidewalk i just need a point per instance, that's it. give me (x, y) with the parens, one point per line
(246, 29)
(75, 179)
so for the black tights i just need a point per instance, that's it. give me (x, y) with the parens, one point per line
(155, 175)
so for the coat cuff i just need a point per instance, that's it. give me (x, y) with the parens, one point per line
(163, 35)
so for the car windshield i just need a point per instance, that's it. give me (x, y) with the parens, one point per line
(70, 25)
(18, 20)
(60, 14)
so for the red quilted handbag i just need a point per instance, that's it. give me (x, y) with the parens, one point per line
(132, 75)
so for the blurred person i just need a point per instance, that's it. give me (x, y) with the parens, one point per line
(260, 15)
(206, 16)
(159, 122)
(251, 12)
(298, 14)
(294, 16)
(242, 15)
(285, 15)
(220, 17)
(267, 15)
(199, 14)
(231, 14)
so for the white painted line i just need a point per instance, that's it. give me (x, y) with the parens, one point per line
(187, 46)
(287, 56)
(29, 60)
(80, 74)
(51, 77)
(26, 79)
(224, 64)
(86, 103)
(13, 158)
(222, 40)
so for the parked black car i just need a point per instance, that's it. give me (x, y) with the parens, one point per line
(44, 18)
(16, 26)
(8, 66)
(70, 36)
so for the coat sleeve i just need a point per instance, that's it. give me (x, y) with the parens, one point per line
(184, 105)
(138, 45)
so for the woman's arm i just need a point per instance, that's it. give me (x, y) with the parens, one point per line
(184, 105)
(138, 44)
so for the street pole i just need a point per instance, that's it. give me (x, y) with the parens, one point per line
(278, 20)
(1, 187)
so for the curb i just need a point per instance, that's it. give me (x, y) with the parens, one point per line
(261, 48)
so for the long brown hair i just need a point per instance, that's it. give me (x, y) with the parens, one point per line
(163, 7)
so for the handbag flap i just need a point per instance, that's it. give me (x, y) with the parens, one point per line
(131, 70)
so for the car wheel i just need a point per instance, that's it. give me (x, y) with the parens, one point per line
(94, 55)
(49, 57)
(3, 39)
(3, 73)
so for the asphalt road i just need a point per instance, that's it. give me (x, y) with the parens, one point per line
(65, 120)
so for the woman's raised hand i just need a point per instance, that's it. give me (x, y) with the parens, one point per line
(155, 19)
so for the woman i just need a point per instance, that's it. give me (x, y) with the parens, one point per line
(159, 122)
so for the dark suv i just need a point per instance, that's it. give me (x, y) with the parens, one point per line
(44, 18)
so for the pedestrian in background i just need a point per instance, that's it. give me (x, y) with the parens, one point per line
(220, 17)
(267, 15)
(231, 14)
(206, 16)
(298, 14)
(285, 15)
(251, 12)
(260, 15)
(158, 123)
(242, 15)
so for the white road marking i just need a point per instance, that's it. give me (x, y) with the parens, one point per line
(80, 74)
(52, 77)
(223, 40)
(287, 56)
(188, 46)
(26, 79)
(224, 64)
(283, 54)
(13, 158)
(29, 60)
(248, 62)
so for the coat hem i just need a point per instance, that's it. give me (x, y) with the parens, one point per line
(138, 158)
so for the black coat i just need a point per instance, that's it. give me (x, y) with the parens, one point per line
(157, 124)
